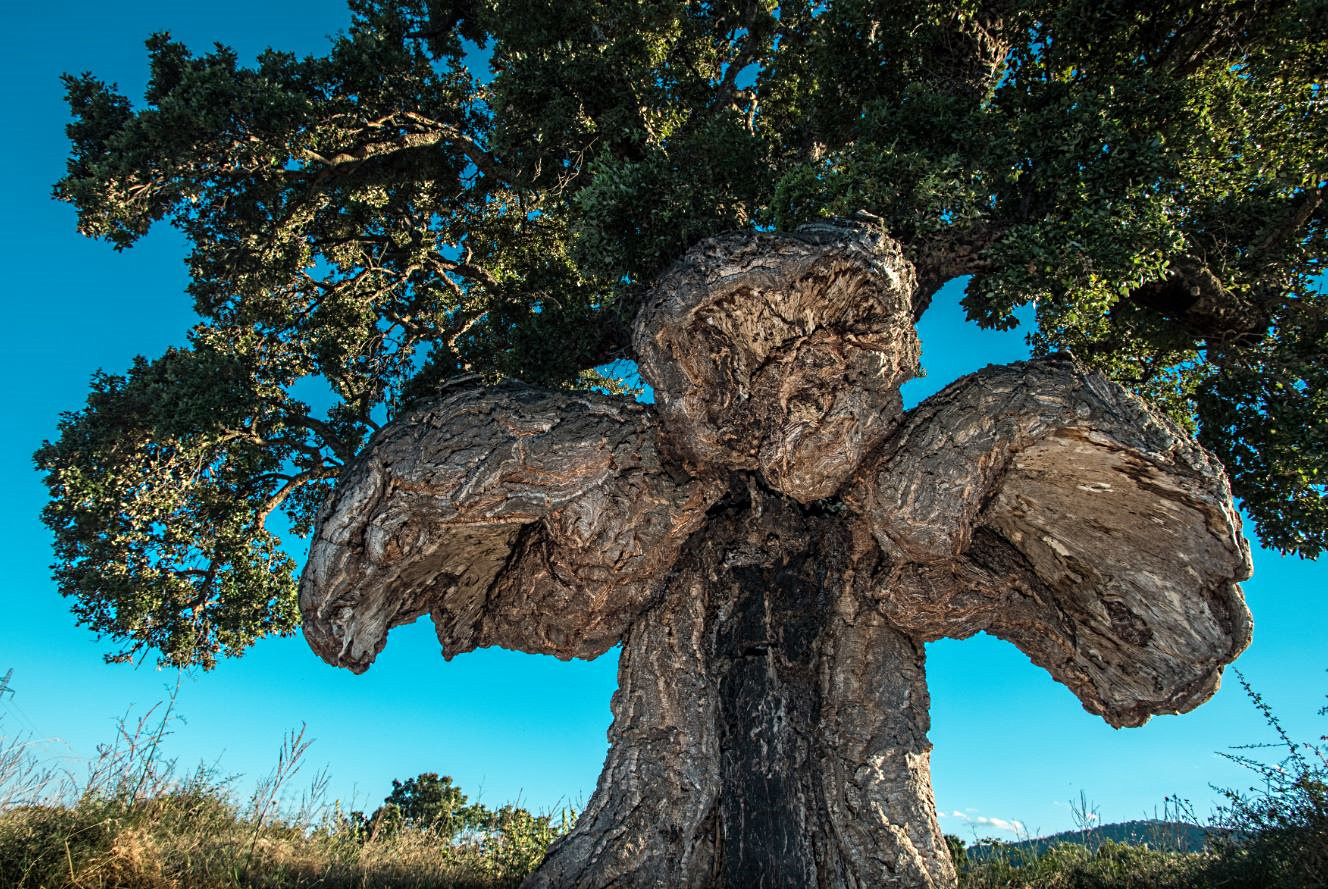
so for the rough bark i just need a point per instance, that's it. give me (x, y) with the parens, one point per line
(1051, 508)
(782, 353)
(539, 521)
(769, 726)
(775, 550)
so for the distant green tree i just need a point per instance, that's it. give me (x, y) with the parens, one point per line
(430, 802)
(381, 219)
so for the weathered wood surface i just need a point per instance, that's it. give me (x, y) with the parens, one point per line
(783, 353)
(773, 545)
(770, 726)
(1049, 507)
(539, 521)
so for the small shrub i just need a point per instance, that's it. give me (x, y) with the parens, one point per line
(958, 851)
(38, 842)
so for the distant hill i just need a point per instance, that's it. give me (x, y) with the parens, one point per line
(1171, 836)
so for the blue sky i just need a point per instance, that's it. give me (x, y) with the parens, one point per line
(1011, 745)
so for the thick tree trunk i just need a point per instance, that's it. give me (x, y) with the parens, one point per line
(770, 722)
(769, 727)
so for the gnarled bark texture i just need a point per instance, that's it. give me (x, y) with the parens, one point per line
(1052, 509)
(773, 545)
(770, 726)
(540, 521)
(783, 353)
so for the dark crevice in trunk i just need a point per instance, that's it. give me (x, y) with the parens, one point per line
(765, 655)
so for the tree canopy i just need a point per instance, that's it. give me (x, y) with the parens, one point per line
(488, 187)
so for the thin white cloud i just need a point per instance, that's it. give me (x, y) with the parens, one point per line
(1008, 825)
(1013, 826)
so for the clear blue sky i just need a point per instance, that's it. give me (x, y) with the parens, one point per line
(1010, 743)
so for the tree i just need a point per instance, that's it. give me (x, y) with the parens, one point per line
(392, 223)
(428, 802)
(772, 544)
(510, 840)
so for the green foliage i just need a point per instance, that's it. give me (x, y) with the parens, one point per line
(426, 802)
(382, 219)
(519, 839)
(1264, 417)
(161, 486)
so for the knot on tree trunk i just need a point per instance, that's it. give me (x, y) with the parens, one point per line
(782, 353)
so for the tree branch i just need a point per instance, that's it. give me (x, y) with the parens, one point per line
(1196, 298)
(434, 133)
(1283, 230)
(946, 255)
(288, 488)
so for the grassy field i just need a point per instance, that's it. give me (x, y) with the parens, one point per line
(135, 822)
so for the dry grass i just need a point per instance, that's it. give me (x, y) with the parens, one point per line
(133, 822)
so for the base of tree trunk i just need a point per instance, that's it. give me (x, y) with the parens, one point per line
(769, 725)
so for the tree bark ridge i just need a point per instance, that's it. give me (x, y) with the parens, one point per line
(770, 725)
(1052, 508)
